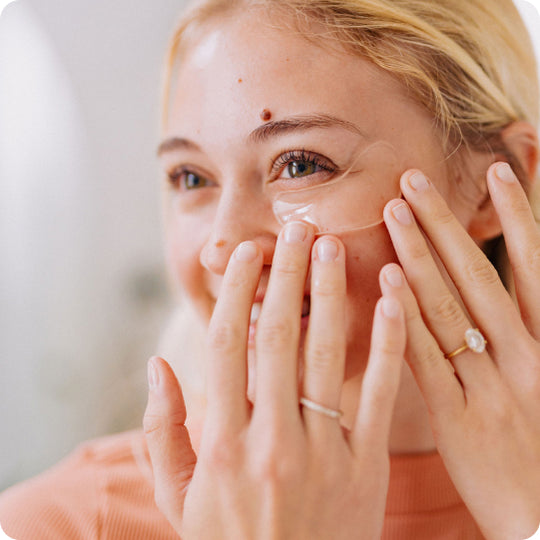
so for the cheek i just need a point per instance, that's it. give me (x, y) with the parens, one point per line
(183, 245)
(367, 252)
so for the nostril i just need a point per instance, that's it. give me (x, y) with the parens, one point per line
(215, 255)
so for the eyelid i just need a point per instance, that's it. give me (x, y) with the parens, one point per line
(188, 167)
(174, 176)
(287, 156)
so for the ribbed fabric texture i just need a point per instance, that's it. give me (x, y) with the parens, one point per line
(103, 491)
(423, 504)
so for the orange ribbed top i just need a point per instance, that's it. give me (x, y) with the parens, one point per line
(103, 491)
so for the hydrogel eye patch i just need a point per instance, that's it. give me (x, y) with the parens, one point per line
(352, 201)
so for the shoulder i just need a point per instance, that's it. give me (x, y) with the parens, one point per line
(103, 489)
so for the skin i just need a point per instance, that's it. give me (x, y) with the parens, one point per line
(253, 408)
(199, 244)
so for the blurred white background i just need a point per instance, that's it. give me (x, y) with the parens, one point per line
(82, 288)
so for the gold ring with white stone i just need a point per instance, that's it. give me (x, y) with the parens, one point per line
(332, 413)
(474, 341)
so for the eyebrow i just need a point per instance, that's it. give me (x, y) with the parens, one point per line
(301, 123)
(176, 143)
(272, 129)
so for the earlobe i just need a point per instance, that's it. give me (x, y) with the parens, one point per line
(521, 141)
(485, 224)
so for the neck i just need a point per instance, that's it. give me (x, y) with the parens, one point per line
(410, 432)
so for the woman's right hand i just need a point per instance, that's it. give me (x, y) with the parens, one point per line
(272, 469)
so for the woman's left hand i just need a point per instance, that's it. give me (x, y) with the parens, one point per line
(485, 416)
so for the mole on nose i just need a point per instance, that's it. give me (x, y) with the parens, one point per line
(266, 115)
(220, 243)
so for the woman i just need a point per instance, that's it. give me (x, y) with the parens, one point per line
(314, 425)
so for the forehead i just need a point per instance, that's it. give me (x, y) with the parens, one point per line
(241, 65)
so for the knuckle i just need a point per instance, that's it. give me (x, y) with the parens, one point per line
(177, 419)
(430, 355)
(419, 251)
(379, 398)
(239, 280)
(501, 413)
(447, 311)
(478, 270)
(288, 266)
(222, 336)
(274, 333)
(328, 288)
(222, 454)
(520, 208)
(321, 356)
(152, 423)
(390, 347)
(532, 259)
(443, 215)
(275, 467)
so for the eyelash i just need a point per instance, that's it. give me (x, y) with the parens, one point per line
(175, 175)
(301, 155)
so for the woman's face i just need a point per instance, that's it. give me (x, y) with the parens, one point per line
(229, 76)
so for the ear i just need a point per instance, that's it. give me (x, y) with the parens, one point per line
(521, 141)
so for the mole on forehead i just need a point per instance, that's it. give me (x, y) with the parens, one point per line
(266, 115)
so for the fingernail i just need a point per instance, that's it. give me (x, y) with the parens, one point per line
(153, 374)
(402, 214)
(295, 232)
(327, 250)
(246, 251)
(418, 181)
(390, 307)
(505, 173)
(393, 276)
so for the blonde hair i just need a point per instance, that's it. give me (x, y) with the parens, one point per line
(469, 62)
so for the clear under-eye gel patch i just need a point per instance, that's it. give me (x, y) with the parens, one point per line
(354, 200)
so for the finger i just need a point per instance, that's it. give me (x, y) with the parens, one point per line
(172, 456)
(324, 359)
(441, 312)
(476, 279)
(278, 328)
(228, 331)
(434, 374)
(371, 430)
(522, 240)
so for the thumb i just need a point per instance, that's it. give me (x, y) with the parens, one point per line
(171, 453)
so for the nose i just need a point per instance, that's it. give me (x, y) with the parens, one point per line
(239, 217)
